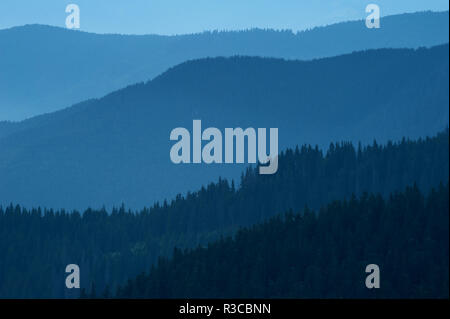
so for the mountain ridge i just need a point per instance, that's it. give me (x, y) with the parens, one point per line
(116, 149)
(214, 31)
(59, 67)
(175, 70)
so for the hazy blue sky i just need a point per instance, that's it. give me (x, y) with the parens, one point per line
(188, 16)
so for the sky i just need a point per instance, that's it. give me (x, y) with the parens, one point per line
(191, 16)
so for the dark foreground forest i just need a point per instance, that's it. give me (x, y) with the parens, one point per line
(322, 255)
(301, 256)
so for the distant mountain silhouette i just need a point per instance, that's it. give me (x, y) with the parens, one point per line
(116, 149)
(44, 68)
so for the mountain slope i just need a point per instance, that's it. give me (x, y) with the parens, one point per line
(112, 247)
(319, 256)
(57, 67)
(116, 149)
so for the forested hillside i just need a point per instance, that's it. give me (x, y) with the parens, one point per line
(58, 67)
(322, 255)
(111, 246)
(116, 149)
